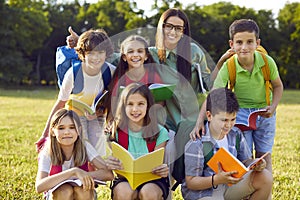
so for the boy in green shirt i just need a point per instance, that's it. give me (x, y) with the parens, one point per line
(250, 87)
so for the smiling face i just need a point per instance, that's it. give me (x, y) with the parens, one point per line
(172, 32)
(65, 132)
(244, 44)
(134, 54)
(220, 123)
(95, 59)
(136, 109)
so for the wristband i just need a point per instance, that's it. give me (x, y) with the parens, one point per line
(212, 182)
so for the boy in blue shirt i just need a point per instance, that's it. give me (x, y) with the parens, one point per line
(200, 181)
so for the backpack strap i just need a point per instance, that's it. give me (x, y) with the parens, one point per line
(232, 72)
(55, 169)
(78, 76)
(106, 75)
(207, 152)
(123, 140)
(266, 72)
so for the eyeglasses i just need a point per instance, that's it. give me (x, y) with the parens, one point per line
(169, 27)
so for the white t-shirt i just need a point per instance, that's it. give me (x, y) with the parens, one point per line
(92, 85)
(45, 161)
(223, 142)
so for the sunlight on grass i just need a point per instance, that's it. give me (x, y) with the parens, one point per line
(24, 113)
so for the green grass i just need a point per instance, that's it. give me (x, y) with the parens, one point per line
(24, 113)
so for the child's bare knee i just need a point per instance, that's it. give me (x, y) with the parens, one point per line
(150, 191)
(79, 193)
(63, 192)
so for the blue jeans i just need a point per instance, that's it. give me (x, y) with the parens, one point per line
(263, 137)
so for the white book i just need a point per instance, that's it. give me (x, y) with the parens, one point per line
(75, 182)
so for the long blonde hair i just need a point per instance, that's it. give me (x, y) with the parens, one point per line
(56, 154)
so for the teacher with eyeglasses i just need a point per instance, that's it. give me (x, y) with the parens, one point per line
(182, 62)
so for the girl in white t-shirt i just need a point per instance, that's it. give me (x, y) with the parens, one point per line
(65, 156)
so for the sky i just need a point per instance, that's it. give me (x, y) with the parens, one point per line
(274, 5)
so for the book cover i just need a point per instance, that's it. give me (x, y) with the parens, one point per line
(75, 182)
(160, 91)
(251, 122)
(137, 171)
(83, 107)
(231, 163)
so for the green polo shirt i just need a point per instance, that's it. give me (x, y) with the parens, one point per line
(249, 87)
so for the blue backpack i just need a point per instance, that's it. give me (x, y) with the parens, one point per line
(65, 58)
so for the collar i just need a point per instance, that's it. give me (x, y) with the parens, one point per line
(169, 51)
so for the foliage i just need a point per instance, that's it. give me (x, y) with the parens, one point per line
(24, 113)
(18, 38)
(33, 29)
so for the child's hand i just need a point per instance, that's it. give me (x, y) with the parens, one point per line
(86, 179)
(261, 165)
(225, 177)
(40, 143)
(195, 133)
(227, 54)
(162, 170)
(108, 128)
(269, 112)
(90, 116)
(72, 39)
(113, 163)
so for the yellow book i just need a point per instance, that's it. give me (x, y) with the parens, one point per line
(137, 171)
(83, 107)
(231, 163)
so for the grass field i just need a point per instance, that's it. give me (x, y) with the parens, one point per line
(24, 113)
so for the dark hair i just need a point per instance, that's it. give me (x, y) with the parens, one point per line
(150, 130)
(243, 25)
(118, 78)
(122, 65)
(184, 45)
(93, 40)
(222, 100)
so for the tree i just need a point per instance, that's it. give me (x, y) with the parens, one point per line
(21, 33)
(289, 27)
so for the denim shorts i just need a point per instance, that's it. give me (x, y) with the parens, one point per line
(263, 137)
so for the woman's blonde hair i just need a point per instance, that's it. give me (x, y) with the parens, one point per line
(56, 154)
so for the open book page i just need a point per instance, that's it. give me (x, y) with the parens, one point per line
(83, 107)
(75, 182)
(228, 162)
(251, 122)
(160, 92)
(255, 162)
(137, 171)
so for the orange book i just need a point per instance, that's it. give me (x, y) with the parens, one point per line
(231, 163)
